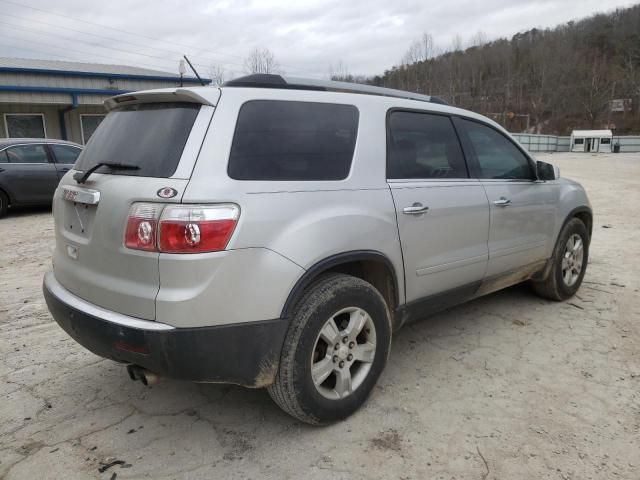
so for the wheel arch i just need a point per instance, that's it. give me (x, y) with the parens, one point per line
(585, 215)
(6, 194)
(369, 265)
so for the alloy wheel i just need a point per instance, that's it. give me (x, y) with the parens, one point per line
(343, 353)
(572, 260)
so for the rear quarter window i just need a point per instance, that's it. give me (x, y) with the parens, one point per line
(285, 140)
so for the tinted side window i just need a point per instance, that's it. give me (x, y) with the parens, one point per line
(3, 157)
(497, 156)
(27, 154)
(280, 140)
(65, 153)
(423, 145)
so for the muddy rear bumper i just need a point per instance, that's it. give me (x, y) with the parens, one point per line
(246, 354)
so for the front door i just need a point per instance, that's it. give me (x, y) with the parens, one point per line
(32, 177)
(522, 208)
(443, 215)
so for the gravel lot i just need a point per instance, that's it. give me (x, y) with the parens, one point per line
(505, 387)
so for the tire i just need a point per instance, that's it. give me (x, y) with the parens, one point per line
(4, 204)
(342, 299)
(559, 285)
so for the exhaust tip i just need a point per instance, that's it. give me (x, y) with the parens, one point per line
(145, 376)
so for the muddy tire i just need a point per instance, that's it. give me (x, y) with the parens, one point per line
(334, 351)
(4, 204)
(569, 265)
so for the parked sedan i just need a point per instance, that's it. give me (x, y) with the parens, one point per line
(30, 169)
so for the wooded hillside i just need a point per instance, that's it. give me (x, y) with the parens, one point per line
(554, 80)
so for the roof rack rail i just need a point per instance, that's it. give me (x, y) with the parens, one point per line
(266, 80)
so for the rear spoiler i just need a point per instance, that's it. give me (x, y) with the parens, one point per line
(204, 96)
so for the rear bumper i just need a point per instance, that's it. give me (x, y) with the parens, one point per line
(246, 354)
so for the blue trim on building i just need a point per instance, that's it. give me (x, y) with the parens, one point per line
(74, 92)
(124, 76)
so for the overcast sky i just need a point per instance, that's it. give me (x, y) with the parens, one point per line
(306, 36)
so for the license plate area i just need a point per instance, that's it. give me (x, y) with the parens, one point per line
(84, 196)
(78, 218)
(79, 207)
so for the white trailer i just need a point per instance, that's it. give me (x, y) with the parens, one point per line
(595, 141)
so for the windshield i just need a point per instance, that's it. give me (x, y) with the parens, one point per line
(151, 136)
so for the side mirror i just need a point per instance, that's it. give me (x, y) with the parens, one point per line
(546, 171)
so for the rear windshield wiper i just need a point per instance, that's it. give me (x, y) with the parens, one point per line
(81, 177)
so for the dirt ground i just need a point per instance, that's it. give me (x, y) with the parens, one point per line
(505, 387)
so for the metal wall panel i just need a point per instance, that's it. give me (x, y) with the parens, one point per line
(72, 119)
(551, 143)
(33, 80)
(628, 143)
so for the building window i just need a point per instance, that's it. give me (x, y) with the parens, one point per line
(25, 125)
(88, 125)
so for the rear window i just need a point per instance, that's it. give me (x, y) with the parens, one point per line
(282, 140)
(151, 136)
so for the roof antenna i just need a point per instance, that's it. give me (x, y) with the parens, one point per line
(182, 68)
(194, 71)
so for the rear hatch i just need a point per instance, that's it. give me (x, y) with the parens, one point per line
(159, 141)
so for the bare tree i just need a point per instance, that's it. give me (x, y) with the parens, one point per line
(340, 72)
(428, 46)
(413, 54)
(478, 39)
(218, 74)
(456, 43)
(560, 78)
(261, 60)
(419, 51)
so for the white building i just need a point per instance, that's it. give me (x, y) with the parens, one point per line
(591, 141)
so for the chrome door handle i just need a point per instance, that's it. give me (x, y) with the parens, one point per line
(503, 202)
(415, 209)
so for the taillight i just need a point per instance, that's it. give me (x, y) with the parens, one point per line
(181, 228)
(196, 228)
(142, 226)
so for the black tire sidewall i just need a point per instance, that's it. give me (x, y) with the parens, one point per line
(575, 226)
(4, 204)
(309, 399)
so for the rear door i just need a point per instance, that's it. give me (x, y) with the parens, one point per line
(522, 208)
(64, 156)
(29, 173)
(443, 215)
(162, 140)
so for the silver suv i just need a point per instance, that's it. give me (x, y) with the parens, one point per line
(275, 232)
